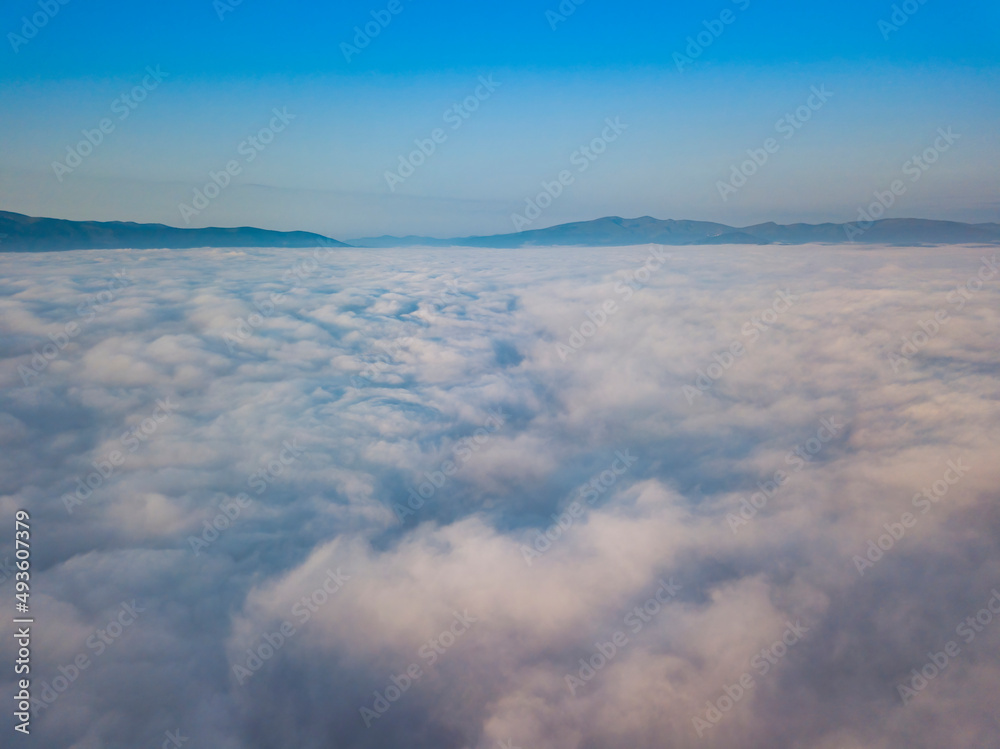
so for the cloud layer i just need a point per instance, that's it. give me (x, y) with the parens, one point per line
(718, 497)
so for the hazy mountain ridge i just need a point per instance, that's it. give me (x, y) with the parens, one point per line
(614, 230)
(20, 233)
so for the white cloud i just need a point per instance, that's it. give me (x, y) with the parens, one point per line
(437, 358)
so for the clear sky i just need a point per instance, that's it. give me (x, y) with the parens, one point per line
(554, 80)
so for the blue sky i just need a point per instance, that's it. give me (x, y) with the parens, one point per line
(353, 120)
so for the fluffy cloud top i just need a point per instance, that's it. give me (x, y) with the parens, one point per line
(710, 497)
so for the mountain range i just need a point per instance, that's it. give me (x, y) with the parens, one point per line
(20, 233)
(614, 230)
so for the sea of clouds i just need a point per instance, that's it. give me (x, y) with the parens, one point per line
(544, 498)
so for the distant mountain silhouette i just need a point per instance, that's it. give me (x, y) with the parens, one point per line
(19, 233)
(614, 230)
